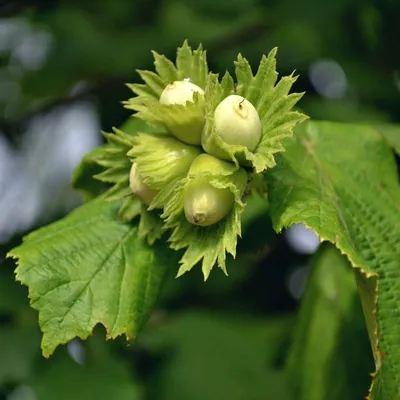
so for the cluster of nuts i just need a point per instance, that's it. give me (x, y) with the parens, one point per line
(235, 121)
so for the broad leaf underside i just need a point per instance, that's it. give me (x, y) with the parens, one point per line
(341, 181)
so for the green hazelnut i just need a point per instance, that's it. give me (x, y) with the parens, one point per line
(208, 163)
(139, 188)
(205, 204)
(187, 122)
(236, 122)
(179, 92)
(162, 159)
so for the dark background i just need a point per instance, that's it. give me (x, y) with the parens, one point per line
(63, 69)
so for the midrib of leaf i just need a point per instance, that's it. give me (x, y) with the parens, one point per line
(324, 175)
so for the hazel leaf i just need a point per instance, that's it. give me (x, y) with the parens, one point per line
(90, 269)
(351, 198)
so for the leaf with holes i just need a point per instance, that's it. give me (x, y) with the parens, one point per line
(88, 269)
(341, 181)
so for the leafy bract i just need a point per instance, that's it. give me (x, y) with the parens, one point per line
(190, 64)
(341, 181)
(208, 244)
(82, 179)
(329, 358)
(272, 101)
(89, 268)
(161, 161)
(116, 166)
(106, 169)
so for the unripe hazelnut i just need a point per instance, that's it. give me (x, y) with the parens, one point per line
(162, 159)
(205, 204)
(179, 92)
(187, 123)
(236, 122)
(139, 188)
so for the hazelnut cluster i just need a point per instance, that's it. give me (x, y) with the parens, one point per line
(236, 122)
(210, 143)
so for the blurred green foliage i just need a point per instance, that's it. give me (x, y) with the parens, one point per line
(331, 309)
(93, 48)
(228, 338)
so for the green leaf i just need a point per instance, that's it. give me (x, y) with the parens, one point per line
(329, 358)
(273, 103)
(217, 356)
(102, 376)
(341, 181)
(391, 132)
(87, 269)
